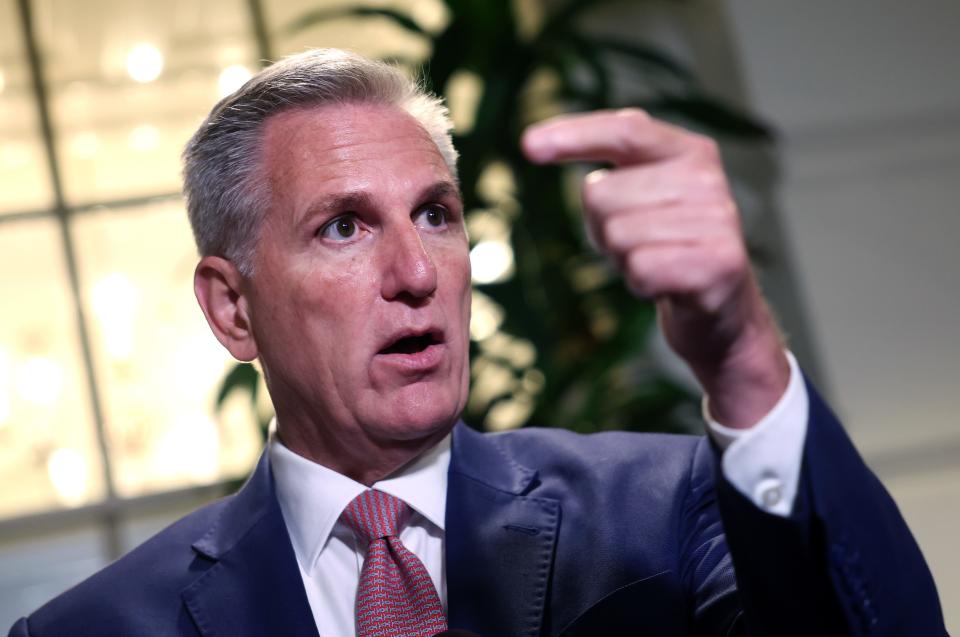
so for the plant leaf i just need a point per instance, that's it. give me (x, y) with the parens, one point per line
(645, 54)
(589, 55)
(311, 18)
(712, 114)
(563, 17)
(243, 376)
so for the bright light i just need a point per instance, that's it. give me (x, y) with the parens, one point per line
(39, 381)
(115, 300)
(497, 184)
(432, 16)
(5, 384)
(522, 353)
(144, 63)
(68, 473)
(509, 413)
(190, 449)
(197, 359)
(144, 137)
(491, 261)
(15, 155)
(490, 380)
(85, 145)
(518, 351)
(485, 316)
(464, 90)
(232, 78)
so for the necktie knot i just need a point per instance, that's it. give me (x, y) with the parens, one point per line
(374, 514)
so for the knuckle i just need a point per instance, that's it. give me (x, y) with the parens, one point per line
(723, 211)
(710, 180)
(612, 234)
(636, 265)
(706, 147)
(729, 212)
(633, 120)
(641, 274)
(731, 259)
(695, 278)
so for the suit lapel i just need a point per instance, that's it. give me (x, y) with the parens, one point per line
(254, 586)
(500, 540)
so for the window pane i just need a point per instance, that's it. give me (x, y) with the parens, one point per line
(136, 527)
(34, 569)
(375, 37)
(158, 363)
(47, 442)
(24, 181)
(129, 82)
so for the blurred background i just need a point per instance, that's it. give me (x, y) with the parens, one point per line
(840, 125)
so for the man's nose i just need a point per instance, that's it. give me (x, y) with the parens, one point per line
(408, 269)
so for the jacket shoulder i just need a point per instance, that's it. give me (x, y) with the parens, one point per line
(670, 456)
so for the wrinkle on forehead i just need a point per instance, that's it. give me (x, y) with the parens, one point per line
(340, 132)
(317, 153)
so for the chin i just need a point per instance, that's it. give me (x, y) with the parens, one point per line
(414, 417)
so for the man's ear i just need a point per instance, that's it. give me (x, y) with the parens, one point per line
(217, 284)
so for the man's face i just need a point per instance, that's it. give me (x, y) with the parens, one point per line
(360, 299)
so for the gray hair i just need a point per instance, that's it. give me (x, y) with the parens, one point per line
(226, 193)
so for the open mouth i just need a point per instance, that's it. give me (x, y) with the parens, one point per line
(412, 344)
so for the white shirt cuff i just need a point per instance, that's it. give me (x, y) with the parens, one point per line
(763, 462)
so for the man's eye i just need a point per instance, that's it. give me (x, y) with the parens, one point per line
(340, 228)
(434, 216)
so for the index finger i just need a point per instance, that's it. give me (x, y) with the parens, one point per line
(626, 136)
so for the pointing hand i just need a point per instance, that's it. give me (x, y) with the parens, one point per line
(665, 215)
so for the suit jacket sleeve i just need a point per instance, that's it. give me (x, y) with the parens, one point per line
(844, 562)
(20, 629)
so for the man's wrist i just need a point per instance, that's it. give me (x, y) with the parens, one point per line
(749, 383)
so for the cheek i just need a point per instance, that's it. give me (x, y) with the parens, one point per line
(461, 306)
(457, 274)
(323, 307)
(329, 284)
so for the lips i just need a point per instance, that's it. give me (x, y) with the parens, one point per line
(412, 343)
(413, 350)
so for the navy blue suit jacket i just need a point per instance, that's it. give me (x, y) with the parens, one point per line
(553, 533)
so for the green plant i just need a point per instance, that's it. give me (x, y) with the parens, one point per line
(569, 347)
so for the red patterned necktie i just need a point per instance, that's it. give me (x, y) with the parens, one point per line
(396, 597)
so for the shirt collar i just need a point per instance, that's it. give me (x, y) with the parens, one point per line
(313, 496)
(423, 483)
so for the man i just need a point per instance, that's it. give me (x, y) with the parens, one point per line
(324, 201)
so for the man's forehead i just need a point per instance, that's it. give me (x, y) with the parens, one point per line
(346, 141)
(342, 156)
(328, 128)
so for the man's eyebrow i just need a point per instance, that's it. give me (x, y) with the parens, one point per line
(342, 202)
(361, 200)
(441, 190)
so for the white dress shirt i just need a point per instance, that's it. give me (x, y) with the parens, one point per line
(762, 462)
(329, 555)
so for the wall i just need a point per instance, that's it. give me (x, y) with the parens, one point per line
(869, 110)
